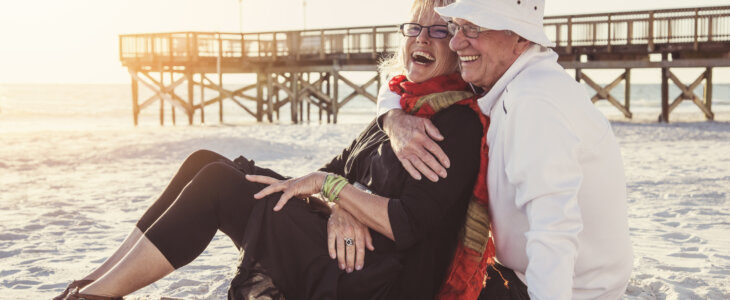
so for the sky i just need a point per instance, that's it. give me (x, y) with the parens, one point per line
(76, 41)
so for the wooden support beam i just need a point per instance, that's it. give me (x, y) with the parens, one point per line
(627, 89)
(300, 99)
(162, 103)
(708, 91)
(664, 117)
(163, 92)
(260, 77)
(604, 93)
(202, 99)
(220, 96)
(191, 85)
(335, 105)
(280, 103)
(269, 97)
(329, 92)
(294, 102)
(687, 93)
(314, 87)
(360, 89)
(135, 99)
(283, 87)
(226, 94)
(172, 79)
(569, 48)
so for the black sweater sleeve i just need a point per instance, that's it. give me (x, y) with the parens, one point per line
(423, 204)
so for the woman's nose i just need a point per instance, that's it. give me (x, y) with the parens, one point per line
(423, 36)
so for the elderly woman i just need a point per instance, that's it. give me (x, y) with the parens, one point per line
(308, 249)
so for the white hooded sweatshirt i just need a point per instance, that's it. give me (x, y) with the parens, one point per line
(556, 183)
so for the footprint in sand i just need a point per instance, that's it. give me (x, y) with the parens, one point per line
(688, 255)
(12, 237)
(5, 254)
(671, 224)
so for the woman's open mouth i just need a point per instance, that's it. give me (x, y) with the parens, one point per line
(422, 58)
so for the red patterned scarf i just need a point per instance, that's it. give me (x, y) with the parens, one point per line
(467, 274)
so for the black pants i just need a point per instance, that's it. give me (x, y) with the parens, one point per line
(207, 194)
(503, 284)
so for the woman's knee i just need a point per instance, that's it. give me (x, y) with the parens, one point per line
(219, 172)
(202, 157)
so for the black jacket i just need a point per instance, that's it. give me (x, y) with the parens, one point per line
(425, 216)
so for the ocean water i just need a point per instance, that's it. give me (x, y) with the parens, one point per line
(32, 107)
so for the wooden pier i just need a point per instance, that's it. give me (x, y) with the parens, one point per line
(303, 68)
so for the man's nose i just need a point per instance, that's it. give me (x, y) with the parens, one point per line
(458, 41)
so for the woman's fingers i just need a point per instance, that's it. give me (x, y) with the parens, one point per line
(359, 248)
(288, 193)
(262, 179)
(273, 188)
(331, 238)
(340, 251)
(350, 249)
(369, 240)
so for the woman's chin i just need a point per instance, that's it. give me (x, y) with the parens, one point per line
(416, 77)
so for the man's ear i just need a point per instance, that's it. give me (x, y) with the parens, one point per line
(521, 46)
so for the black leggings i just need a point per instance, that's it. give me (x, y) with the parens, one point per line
(208, 193)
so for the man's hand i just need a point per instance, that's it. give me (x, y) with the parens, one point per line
(412, 139)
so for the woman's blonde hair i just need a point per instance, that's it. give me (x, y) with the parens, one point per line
(395, 64)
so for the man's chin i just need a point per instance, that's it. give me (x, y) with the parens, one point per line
(469, 77)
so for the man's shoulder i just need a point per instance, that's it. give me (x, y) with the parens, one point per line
(546, 78)
(547, 84)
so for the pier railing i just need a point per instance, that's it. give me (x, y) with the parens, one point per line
(681, 29)
(312, 44)
(668, 26)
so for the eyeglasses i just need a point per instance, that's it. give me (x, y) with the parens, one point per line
(434, 31)
(470, 31)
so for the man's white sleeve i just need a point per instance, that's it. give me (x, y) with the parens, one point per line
(541, 161)
(387, 100)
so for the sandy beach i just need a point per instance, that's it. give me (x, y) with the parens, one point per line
(70, 197)
(73, 182)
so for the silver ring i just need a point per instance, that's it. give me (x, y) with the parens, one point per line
(349, 242)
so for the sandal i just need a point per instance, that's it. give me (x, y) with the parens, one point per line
(80, 284)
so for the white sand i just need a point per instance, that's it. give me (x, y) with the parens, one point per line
(68, 198)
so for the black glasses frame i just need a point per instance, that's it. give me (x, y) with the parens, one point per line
(421, 27)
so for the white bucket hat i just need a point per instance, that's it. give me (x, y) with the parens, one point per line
(523, 17)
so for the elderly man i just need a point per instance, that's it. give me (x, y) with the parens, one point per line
(555, 177)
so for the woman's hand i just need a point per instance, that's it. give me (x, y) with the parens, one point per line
(302, 186)
(342, 225)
